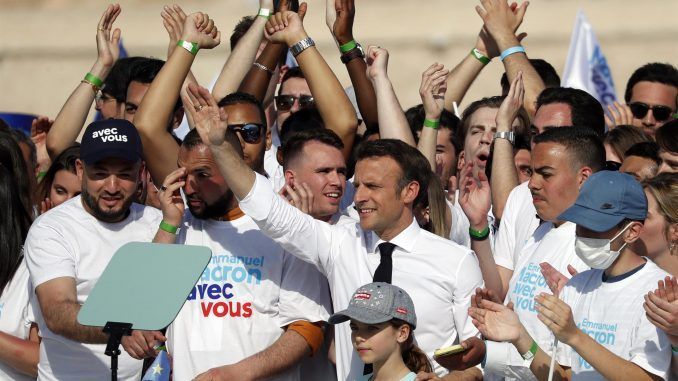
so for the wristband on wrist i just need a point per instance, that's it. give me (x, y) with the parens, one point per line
(191, 47)
(512, 50)
(432, 123)
(348, 46)
(480, 56)
(164, 226)
(529, 355)
(265, 13)
(479, 235)
(94, 80)
(674, 349)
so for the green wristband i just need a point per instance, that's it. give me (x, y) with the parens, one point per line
(41, 175)
(192, 47)
(479, 234)
(94, 80)
(480, 56)
(674, 349)
(434, 124)
(164, 226)
(347, 47)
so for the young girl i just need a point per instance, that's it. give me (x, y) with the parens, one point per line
(382, 324)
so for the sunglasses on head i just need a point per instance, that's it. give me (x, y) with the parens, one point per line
(250, 132)
(285, 102)
(660, 113)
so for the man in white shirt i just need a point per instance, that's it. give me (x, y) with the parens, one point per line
(562, 161)
(68, 248)
(386, 244)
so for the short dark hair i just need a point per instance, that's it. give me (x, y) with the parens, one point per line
(295, 143)
(647, 150)
(583, 145)
(293, 72)
(240, 29)
(622, 138)
(118, 79)
(667, 136)
(663, 73)
(245, 98)
(545, 70)
(415, 118)
(585, 109)
(412, 163)
(302, 120)
(193, 140)
(490, 102)
(144, 71)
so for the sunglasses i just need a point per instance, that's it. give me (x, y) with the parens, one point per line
(285, 102)
(612, 165)
(660, 113)
(249, 132)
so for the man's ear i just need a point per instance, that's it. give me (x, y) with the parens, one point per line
(289, 177)
(461, 162)
(409, 192)
(584, 174)
(633, 232)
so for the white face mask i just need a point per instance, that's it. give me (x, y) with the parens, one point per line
(596, 252)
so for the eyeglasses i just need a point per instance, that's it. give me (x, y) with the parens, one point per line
(285, 102)
(101, 98)
(250, 132)
(660, 113)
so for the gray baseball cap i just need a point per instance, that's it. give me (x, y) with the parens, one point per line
(376, 303)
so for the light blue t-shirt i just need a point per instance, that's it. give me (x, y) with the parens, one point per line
(408, 377)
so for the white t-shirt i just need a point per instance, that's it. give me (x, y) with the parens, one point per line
(438, 274)
(547, 244)
(67, 241)
(248, 292)
(517, 224)
(612, 313)
(16, 315)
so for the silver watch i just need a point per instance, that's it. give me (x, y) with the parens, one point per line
(508, 135)
(302, 45)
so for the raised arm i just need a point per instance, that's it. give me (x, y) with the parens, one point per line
(504, 174)
(432, 92)
(332, 102)
(73, 114)
(339, 16)
(501, 23)
(173, 19)
(392, 121)
(241, 58)
(155, 111)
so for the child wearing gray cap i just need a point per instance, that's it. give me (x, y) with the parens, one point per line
(382, 323)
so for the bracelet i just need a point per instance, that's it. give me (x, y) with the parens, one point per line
(262, 67)
(674, 349)
(479, 235)
(164, 226)
(94, 80)
(191, 47)
(434, 124)
(265, 13)
(302, 45)
(480, 56)
(348, 46)
(511, 50)
(529, 355)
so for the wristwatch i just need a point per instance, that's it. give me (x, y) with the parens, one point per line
(508, 135)
(302, 45)
(353, 54)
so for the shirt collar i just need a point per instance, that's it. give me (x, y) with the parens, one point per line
(405, 240)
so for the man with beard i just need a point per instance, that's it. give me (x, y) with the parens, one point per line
(254, 307)
(68, 248)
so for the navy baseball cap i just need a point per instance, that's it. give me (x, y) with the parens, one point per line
(606, 199)
(116, 138)
(376, 303)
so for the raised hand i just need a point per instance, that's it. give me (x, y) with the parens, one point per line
(342, 29)
(171, 203)
(475, 197)
(200, 29)
(203, 113)
(557, 316)
(301, 197)
(108, 43)
(377, 62)
(554, 278)
(45, 205)
(661, 307)
(495, 321)
(501, 19)
(432, 90)
(510, 106)
(39, 129)
(286, 27)
(621, 115)
(486, 44)
(173, 19)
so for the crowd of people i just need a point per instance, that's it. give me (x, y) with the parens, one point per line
(534, 235)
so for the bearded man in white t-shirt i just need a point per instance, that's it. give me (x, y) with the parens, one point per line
(68, 248)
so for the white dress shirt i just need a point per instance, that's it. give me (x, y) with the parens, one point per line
(439, 275)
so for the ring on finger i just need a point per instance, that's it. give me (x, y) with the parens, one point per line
(163, 188)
